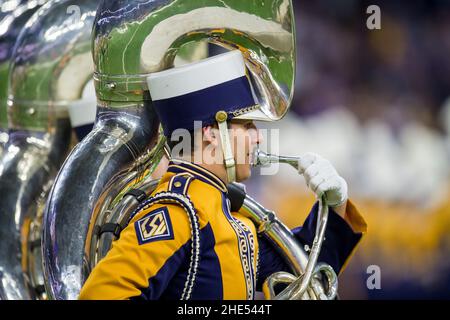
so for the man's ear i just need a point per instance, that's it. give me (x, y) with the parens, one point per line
(211, 135)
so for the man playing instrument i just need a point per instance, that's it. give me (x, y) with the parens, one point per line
(187, 240)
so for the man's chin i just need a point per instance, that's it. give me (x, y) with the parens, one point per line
(244, 175)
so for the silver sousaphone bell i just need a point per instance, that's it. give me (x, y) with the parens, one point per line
(124, 148)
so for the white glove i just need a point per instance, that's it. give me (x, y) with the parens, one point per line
(321, 177)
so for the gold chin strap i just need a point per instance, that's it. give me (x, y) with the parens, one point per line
(230, 165)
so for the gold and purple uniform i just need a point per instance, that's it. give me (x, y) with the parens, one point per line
(155, 258)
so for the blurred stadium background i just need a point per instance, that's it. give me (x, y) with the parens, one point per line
(377, 104)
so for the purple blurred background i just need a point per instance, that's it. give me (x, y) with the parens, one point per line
(377, 104)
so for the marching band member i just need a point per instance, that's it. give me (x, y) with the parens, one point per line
(185, 241)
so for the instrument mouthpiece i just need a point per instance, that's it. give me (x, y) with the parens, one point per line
(263, 159)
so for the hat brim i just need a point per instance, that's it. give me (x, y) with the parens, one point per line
(256, 115)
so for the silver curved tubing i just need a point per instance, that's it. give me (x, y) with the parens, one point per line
(101, 161)
(307, 284)
(282, 238)
(12, 20)
(130, 40)
(52, 63)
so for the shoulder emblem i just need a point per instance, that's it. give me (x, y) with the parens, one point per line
(154, 226)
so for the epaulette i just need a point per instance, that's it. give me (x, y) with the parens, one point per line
(180, 183)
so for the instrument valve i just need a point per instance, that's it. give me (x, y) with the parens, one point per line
(267, 222)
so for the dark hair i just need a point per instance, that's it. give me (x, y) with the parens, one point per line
(172, 143)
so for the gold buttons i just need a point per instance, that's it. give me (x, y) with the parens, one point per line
(221, 116)
(177, 184)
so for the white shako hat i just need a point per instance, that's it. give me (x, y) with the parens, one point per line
(214, 89)
(197, 91)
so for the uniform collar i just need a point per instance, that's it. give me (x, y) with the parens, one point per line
(200, 173)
